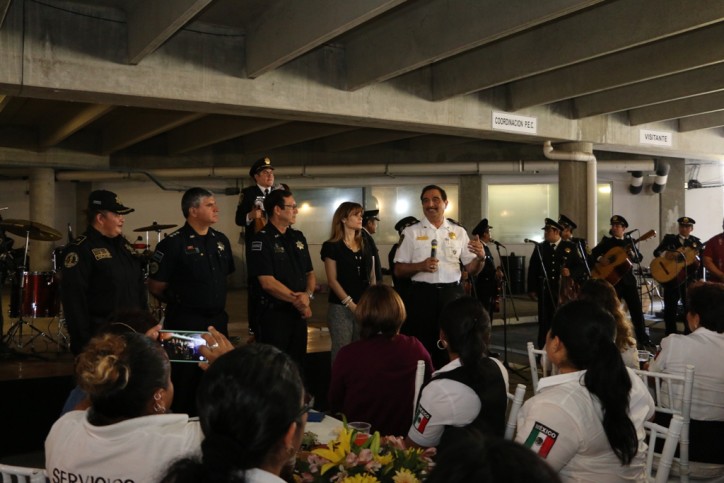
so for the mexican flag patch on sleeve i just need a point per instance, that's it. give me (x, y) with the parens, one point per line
(421, 419)
(541, 439)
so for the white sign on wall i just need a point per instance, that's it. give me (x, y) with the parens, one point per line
(657, 138)
(503, 121)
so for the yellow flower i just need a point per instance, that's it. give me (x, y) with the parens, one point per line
(384, 460)
(404, 476)
(336, 451)
(360, 479)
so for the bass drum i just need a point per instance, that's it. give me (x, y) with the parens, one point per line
(40, 296)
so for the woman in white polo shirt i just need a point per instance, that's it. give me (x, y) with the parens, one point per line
(587, 421)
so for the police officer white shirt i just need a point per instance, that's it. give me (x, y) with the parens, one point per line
(452, 246)
(563, 425)
(445, 403)
(704, 349)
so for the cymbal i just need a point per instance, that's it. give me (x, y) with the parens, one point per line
(155, 227)
(34, 230)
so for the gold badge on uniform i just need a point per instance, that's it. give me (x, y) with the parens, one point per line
(101, 253)
(300, 245)
(451, 235)
(567, 250)
(71, 260)
(220, 246)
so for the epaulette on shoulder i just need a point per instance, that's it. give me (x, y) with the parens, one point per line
(174, 234)
(454, 222)
(80, 240)
(412, 223)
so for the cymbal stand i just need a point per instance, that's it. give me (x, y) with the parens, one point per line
(506, 293)
(15, 332)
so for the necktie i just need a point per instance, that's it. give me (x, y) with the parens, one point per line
(553, 246)
(266, 192)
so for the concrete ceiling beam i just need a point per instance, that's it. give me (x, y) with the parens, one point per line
(215, 129)
(607, 28)
(685, 84)
(152, 22)
(133, 128)
(292, 133)
(666, 57)
(689, 106)
(59, 128)
(702, 121)
(364, 137)
(431, 30)
(288, 30)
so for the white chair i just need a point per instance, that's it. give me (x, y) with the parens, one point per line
(419, 379)
(21, 474)
(673, 432)
(672, 395)
(532, 353)
(516, 401)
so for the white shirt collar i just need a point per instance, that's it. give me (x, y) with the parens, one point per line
(559, 379)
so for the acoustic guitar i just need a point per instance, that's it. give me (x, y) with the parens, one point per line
(672, 264)
(614, 264)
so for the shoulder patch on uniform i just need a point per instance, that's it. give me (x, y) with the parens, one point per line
(101, 253)
(541, 439)
(422, 417)
(256, 246)
(157, 256)
(71, 260)
(454, 222)
(412, 223)
(80, 240)
(174, 233)
(153, 268)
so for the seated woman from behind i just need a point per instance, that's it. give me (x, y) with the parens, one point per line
(125, 435)
(471, 390)
(373, 379)
(704, 349)
(587, 422)
(252, 411)
(601, 292)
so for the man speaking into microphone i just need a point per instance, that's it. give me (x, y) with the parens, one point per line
(430, 254)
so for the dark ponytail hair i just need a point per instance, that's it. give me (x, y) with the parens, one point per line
(247, 400)
(467, 328)
(587, 332)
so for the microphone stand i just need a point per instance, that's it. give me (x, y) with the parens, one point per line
(504, 295)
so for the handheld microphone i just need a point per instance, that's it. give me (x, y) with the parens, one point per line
(498, 244)
(530, 241)
(433, 249)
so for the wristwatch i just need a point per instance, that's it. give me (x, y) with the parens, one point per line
(311, 295)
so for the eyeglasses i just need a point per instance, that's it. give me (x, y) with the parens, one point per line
(294, 207)
(307, 406)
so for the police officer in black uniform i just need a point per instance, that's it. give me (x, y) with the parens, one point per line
(402, 285)
(551, 259)
(627, 287)
(188, 271)
(251, 217)
(486, 283)
(671, 247)
(100, 273)
(283, 272)
(369, 228)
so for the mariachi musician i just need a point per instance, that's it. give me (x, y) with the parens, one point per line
(626, 287)
(552, 259)
(680, 253)
(489, 278)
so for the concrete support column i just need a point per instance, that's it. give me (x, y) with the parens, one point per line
(672, 202)
(470, 212)
(573, 188)
(42, 210)
(82, 192)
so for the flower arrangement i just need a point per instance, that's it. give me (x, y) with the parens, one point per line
(356, 457)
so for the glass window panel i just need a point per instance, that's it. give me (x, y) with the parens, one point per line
(316, 209)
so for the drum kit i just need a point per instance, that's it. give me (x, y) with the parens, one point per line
(34, 294)
(37, 294)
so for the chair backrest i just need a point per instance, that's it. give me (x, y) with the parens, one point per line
(532, 353)
(672, 433)
(22, 474)
(672, 395)
(516, 401)
(419, 379)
